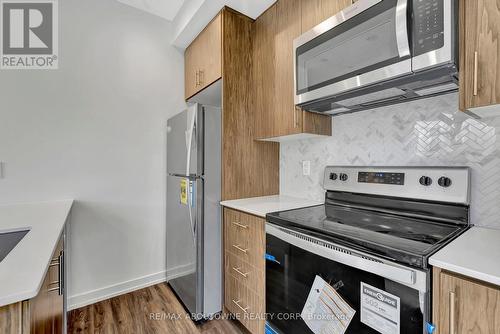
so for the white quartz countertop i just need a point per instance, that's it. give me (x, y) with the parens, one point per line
(475, 254)
(260, 206)
(23, 269)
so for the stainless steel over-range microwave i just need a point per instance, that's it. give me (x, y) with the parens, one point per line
(377, 52)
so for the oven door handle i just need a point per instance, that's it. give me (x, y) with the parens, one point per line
(402, 28)
(347, 256)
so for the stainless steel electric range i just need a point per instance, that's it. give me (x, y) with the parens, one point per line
(370, 242)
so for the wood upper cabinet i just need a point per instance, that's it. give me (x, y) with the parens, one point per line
(463, 305)
(274, 32)
(479, 53)
(204, 58)
(316, 11)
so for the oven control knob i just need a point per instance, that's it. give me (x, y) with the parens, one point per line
(444, 181)
(425, 181)
(343, 177)
(333, 176)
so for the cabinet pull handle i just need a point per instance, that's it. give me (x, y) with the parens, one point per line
(294, 117)
(61, 273)
(452, 312)
(239, 225)
(476, 65)
(238, 270)
(53, 264)
(238, 247)
(237, 303)
(201, 76)
(197, 75)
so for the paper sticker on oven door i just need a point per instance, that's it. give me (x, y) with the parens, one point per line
(380, 310)
(325, 311)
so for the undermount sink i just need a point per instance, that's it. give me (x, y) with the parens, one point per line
(9, 240)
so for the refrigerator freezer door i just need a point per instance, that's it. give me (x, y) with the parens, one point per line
(184, 137)
(185, 225)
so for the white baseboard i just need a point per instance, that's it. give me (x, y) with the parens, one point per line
(97, 295)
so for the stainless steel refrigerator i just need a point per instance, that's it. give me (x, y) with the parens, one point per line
(194, 257)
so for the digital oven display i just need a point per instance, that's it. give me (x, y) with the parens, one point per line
(382, 178)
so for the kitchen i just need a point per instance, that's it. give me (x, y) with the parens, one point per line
(207, 166)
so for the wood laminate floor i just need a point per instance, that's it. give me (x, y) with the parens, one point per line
(135, 312)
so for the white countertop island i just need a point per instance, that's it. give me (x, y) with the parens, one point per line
(260, 206)
(23, 269)
(475, 254)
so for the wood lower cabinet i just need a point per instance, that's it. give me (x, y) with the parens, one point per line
(479, 53)
(462, 305)
(43, 314)
(204, 58)
(244, 273)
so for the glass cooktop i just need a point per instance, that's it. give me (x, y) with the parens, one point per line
(403, 239)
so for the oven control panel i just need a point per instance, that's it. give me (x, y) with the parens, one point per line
(443, 184)
(382, 178)
(428, 29)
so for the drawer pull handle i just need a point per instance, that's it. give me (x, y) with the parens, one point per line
(239, 225)
(54, 289)
(452, 312)
(53, 264)
(238, 270)
(238, 247)
(237, 303)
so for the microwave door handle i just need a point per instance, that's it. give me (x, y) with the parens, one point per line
(402, 28)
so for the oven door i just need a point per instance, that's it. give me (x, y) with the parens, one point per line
(364, 44)
(293, 262)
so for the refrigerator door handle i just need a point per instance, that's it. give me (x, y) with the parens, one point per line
(192, 220)
(190, 133)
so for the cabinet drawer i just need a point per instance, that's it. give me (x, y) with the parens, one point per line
(247, 307)
(244, 236)
(248, 275)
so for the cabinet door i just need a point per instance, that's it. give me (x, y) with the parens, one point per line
(46, 310)
(288, 117)
(264, 69)
(203, 58)
(479, 53)
(316, 11)
(57, 299)
(190, 71)
(467, 306)
(11, 318)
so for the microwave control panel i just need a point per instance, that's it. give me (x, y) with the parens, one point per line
(428, 25)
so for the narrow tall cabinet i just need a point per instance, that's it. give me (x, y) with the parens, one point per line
(479, 53)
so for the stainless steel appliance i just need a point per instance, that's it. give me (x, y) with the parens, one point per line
(193, 210)
(378, 52)
(378, 227)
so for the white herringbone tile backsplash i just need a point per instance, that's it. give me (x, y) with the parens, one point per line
(429, 132)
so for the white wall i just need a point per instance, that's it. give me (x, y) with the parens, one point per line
(94, 130)
(430, 132)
